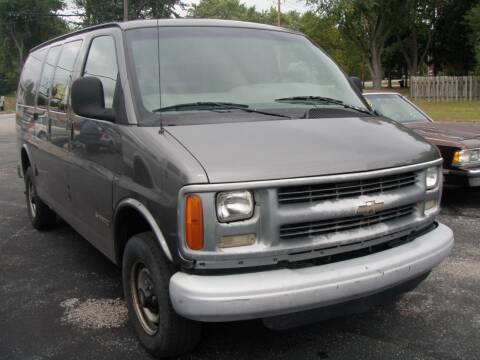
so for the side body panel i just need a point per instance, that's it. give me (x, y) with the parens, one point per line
(57, 152)
(32, 122)
(95, 154)
(117, 164)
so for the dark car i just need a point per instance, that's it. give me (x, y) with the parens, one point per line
(231, 169)
(459, 143)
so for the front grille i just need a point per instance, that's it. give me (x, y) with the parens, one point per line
(334, 191)
(324, 227)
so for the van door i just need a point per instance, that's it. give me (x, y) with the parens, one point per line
(26, 93)
(59, 131)
(41, 127)
(95, 151)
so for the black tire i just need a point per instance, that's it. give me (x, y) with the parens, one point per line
(172, 334)
(41, 216)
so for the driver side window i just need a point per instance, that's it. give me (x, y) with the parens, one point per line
(102, 64)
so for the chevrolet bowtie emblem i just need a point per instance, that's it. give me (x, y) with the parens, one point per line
(370, 208)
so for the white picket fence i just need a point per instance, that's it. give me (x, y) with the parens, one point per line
(445, 88)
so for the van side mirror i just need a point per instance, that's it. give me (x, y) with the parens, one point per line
(357, 83)
(88, 99)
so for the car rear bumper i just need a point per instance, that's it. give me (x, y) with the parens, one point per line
(260, 294)
(465, 177)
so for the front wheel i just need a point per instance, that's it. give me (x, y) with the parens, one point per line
(146, 276)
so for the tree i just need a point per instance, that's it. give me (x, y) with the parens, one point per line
(393, 61)
(98, 12)
(291, 19)
(417, 20)
(26, 23)
(368, 24)
(236, 10)
(452, 50)
(324, 31)
(224, 9)
(473, 19)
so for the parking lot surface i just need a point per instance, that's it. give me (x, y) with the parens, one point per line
(61, 299)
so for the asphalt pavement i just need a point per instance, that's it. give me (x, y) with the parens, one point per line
(61, 299)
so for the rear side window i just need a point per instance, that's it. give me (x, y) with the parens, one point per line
(63, 76)
(102, 63)
(47, 73)
(30, 78)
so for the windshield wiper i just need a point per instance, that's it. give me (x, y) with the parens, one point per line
(212, 106)
(314, 100)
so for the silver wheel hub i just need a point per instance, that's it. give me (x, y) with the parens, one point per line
(145, 301)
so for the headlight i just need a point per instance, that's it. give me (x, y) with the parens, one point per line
(462, 157)
(234, 206)
(432, 177)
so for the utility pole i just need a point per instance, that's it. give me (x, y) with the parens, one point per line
(125, 10)
(279, 13)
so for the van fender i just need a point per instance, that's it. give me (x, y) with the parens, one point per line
(150, 219)
(30, 159)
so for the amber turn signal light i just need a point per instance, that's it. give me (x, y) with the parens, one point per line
(194, 222)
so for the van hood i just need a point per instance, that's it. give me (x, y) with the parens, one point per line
(279, 149)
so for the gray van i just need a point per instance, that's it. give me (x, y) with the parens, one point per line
(231, 169)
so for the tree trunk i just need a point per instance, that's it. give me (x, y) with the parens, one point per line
(413, 70)
(411, 52)
(19, 46)
(375, 66)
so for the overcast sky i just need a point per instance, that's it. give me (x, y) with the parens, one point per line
(287, 5)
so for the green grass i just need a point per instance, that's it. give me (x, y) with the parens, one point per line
(466, 111)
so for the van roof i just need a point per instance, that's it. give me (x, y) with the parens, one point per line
(167, 22)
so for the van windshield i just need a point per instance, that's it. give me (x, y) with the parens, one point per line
(177, 66)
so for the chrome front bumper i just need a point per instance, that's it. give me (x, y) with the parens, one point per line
(217, 298)
(465, 177)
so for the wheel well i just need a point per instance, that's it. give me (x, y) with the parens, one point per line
(25, 160)
(128, 223)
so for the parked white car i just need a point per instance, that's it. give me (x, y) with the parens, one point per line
(2, 103)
